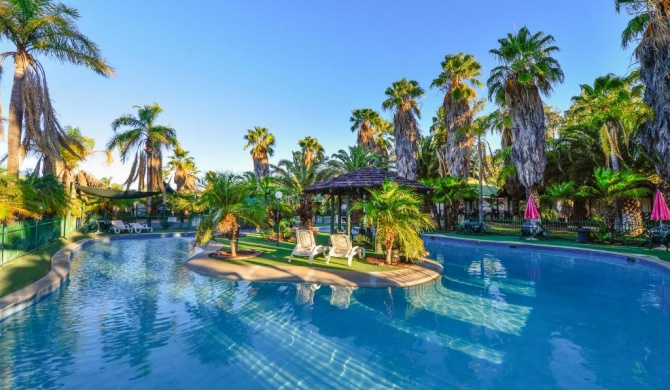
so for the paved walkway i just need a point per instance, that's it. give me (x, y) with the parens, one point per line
(413, 275)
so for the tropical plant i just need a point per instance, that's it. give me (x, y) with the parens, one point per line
(427, 160)
(262, 144)
(458, 80)
(295, 175)
(650, 30)
(50, 195)
(369, 126)
(610, 185)
(356, 157)
(563, 192)
(182, 167)
(40, 27)
(144, 140)
(450, 191)
(396, 213)
(17, 199)
(312, 150)
(527, 68)
(613, 106)
(403, 98)
(229, 200)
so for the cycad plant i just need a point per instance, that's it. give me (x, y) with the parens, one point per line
(396, 213)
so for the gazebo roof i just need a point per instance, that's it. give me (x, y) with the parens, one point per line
(367, 177)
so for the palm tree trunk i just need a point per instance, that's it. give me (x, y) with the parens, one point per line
(150, 181)
(457, 114)
(16, 115)
(406, 133)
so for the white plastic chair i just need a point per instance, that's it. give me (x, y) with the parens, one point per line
(118, 226)
(138, 227)
(306, 245)
(340, 246)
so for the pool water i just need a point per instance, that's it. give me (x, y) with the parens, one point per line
(133, 316)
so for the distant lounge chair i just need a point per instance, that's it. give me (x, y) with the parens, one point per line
(306, 245)
(340, 246)
(118, 226)
(138, 227)
(534, 230)
(659, 235)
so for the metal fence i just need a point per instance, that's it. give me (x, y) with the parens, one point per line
(626, 233)
(18, 239)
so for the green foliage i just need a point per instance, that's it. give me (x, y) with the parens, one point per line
(356, 157)
(609, 185)
(396, 213)
(458, 70)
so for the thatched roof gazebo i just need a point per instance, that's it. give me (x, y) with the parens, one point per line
(355, 184)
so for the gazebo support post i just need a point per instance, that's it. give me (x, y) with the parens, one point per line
(332, 213)
(348, 216)
(339, 213)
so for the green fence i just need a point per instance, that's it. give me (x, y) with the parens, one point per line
(20, 238)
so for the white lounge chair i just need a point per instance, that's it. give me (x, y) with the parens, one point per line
(306, 245)
(340, 246)
(138, 227)
(118, 226)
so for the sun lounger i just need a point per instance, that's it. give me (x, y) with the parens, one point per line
(534, 230)
(657, 236)
(306, 245)
(118, 226)
(138, 227)
(340, 246)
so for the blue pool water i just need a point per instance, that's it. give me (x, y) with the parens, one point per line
(133, 317)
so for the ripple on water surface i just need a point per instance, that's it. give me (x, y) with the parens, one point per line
(134, 316)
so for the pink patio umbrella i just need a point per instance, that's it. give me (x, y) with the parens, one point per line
(660, 210)
(531, 211)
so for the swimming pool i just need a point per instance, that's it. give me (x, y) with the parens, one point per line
(133, 316)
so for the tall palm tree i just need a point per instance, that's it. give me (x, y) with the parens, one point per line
(650, 30)
(458, 80)
(182, 167)
(403, 98)
(438, 132)
(355, 158)
(396, 213)
(369, 125)
(527, 68)
(312, 150)
(262, 144)
(47, 28)
(144, 140)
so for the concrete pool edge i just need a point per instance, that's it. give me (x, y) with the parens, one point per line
(413, 275)
(648, 260)
(60, 270)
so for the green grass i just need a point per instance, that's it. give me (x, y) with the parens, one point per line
(632, 250)
(32, 267)
(274, 255)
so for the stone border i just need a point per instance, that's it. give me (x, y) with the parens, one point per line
(413, 275)
(646, 260)
(60, 270)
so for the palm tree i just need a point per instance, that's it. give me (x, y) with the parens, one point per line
(527, 68)
(17, 199)
(229, 200)
(563, 192)
(650, 30)
(610, 185)
(369, 125)
(396, 213)
(355, 158)
(458, 80)
(46, 28)
(613, 106)
(312, 150)
(403, 98)
(144, 139)
(182, 166)
(451, 192)
(295, 175)
(438, 132)
(261, 142)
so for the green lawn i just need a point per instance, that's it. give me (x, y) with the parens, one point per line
(274, 255)
(632, 250)
(30, 268)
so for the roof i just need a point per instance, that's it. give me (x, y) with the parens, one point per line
(368, 177)
(488, 190)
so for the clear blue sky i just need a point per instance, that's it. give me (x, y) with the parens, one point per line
(298, 67)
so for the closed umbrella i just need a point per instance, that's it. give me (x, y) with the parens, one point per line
(660, 210)
(531, 210)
